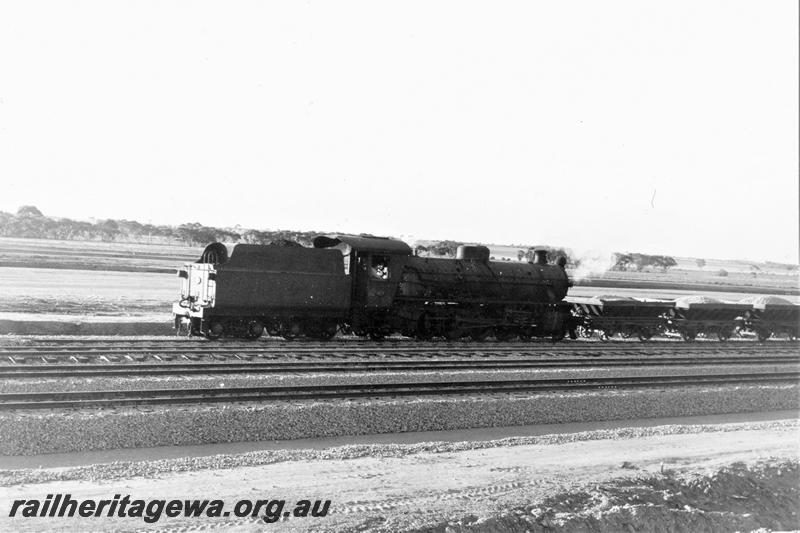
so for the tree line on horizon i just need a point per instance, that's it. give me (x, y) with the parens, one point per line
(30, 222)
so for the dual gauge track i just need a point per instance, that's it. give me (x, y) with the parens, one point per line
(765, 364)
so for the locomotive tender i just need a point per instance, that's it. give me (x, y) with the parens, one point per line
(369, 286)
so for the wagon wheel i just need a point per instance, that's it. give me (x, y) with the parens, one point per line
(627, 332)
(558, 336)
(254, 329)
(763, 334)
(325, 332)
(724, 333)
(376, 335)
(645, 334)
(292, 330)
(688, 335)
(215, 330)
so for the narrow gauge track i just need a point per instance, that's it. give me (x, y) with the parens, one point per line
(272, 367)
(121, 352)
(114, 398)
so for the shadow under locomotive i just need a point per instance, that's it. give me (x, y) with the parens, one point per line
(369, 286)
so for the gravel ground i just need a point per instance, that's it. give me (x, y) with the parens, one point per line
(338, 378)
(154, 469)
(739, 497)
(52, 431)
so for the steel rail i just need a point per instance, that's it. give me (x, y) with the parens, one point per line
(221, 349)
(50, 400)
(176, 369)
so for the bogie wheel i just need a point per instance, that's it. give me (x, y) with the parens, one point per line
(645, 334)
(763, 335)
(323, 332)
(328, 332)
(725, 333)
(215, 330)
(688, 335)
(255, 328)
(292, 330)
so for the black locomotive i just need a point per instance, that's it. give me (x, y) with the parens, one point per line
(375, 286)
(369, 286)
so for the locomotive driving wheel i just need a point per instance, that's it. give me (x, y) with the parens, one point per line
(526, 333)
(606, 334)
(480, 334)
(504, 333)
(453, 331)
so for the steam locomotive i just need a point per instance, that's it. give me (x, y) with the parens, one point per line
(376, 287)
(369, 286)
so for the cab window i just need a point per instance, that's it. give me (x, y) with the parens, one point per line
(379, 267)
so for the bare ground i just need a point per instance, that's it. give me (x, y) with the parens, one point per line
(723, 477)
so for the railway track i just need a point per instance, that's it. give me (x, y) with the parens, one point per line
(116, 398)
(126, 351)
(279, 367)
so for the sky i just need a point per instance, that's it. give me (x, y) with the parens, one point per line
(656, 127)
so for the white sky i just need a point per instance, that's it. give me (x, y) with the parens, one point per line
(666, 127)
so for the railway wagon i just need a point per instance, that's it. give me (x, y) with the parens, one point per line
(611, 315)
(770, 316)
(695, 315)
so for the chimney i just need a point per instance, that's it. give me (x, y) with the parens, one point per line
(540, 257)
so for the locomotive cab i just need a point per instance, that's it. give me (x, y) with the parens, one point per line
(375, 265)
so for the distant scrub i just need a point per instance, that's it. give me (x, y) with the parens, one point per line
(30, 223)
